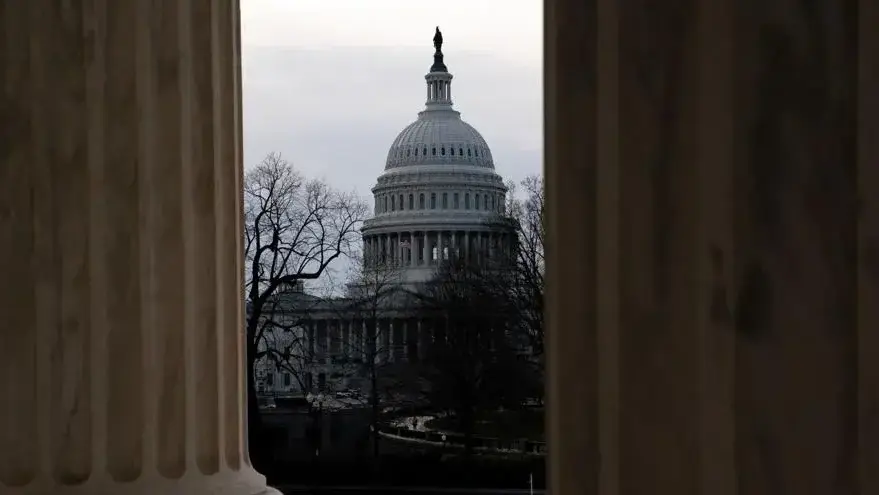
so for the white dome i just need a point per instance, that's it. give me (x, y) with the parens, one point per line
(439, 196)
(439, 136)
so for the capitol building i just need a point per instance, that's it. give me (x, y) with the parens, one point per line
(439, 198)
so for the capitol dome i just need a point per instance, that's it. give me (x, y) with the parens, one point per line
(439, 196)
(439, 136)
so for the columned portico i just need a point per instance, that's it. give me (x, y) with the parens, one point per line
(122, 364)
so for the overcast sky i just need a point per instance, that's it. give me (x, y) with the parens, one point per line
(330, 83)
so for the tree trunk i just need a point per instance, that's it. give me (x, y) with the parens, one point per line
(373, 399)
(259, 450)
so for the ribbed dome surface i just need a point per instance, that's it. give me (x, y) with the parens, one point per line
(437, 137)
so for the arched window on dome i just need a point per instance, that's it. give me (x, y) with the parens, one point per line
(476, 201)
(445, 200)
(443, 150)
(476, 152)
(424, 152)
(385, 209)
(486, 203)
(416, 151)
(421, 201)
(434, 151)
(469, 152)
(452, 151)
(455, 201)
(401, 202)
(460, 151)
(411, 201)
(466, 201)
(432, 201)
(393, 203)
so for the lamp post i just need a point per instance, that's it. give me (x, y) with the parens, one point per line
(319, 400)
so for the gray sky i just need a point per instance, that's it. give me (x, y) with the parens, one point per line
(330, 83)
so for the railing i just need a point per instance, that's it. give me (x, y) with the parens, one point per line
(457, 440)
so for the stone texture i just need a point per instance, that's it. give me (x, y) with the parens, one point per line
(121, 341)
(715, 160)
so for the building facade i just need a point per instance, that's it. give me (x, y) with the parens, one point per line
(439, 198)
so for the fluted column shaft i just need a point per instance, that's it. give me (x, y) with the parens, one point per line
(120, 210)
(728, 292)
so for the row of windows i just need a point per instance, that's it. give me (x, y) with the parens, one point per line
(392, 202)
(442, 151)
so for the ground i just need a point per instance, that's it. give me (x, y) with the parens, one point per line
(510, 425)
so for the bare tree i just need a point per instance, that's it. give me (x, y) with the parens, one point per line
(524, 282)
(374, 292)
(516, 282)
(472, 367)
(294, 229)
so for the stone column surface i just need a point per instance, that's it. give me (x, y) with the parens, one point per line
(426, 248)
(121, 366)
(712, 182)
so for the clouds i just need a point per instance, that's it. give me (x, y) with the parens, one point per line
(512, 31)
(334, 112)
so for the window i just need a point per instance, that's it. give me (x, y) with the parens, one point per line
(386, 205)
(407, 152)
(476, 201)
(466, 201)
(455, 199)
(401, 202)
(421, 201)
(424, 152)
(460, 151)
(287, 379)
(486, 202)
(270, 379)
(443, 150)
(476, 152)
(411, 201)
(445, 200)
(434, 151)
(452, 151)
(432, 201)
(469, 152)
(416, 151)
(393, 203)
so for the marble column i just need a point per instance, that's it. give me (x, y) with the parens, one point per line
(711, 187)
(121, 364)
(425, 246)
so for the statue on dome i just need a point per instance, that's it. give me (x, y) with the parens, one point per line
(438, 40)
